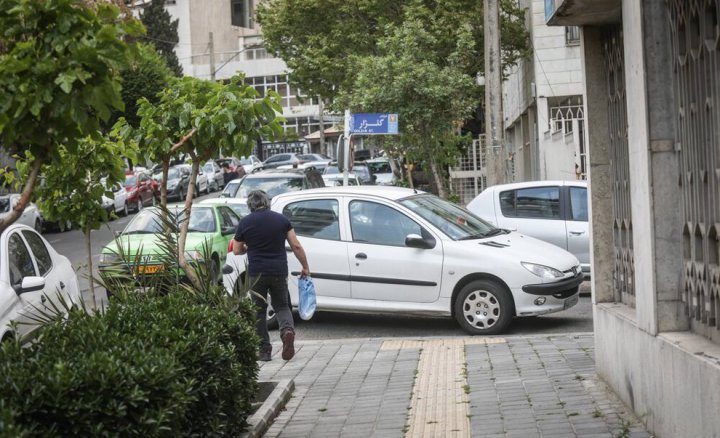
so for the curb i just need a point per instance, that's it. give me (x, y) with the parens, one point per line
(264, 416)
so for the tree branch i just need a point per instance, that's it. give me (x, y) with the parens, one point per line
(182, 141)
(24, 195)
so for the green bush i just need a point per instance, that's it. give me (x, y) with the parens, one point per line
(181, 364)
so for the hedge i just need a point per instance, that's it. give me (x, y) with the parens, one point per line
(181, 364)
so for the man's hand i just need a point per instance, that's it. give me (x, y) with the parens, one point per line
(238, 248)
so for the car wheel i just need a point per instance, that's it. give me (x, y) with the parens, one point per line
(483, 307)
(139, 205)
(38, 226)
(125, 209)
(195, 192)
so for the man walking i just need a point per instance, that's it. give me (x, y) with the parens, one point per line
(262, 235)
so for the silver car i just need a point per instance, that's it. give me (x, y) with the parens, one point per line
(553, 211)
(30, 216)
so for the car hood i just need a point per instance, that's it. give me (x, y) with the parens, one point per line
(148, 244)
(516, 246)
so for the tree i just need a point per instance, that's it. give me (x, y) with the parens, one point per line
(145, 76)
(73, 186)
(430, 96)
(202, 119)
(59, 64)
(162, 32)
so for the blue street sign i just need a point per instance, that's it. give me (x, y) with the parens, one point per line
(374, 124)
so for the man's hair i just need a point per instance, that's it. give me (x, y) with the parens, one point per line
(257, 200)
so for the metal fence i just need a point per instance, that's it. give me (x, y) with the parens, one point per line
(467, 178)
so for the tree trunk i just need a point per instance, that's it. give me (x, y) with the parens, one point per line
(24, 196)
(438, 179)
(91, 280)
(182, 238)
(163, 182)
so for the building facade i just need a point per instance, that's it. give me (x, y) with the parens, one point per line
(218, 39)
(652, 101)
(543, 104)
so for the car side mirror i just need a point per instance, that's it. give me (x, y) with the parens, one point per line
(417, 241)
(227, 269)
(32, 284)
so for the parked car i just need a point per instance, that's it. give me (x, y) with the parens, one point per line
(141, 190)
(251, 164)
(211, 224)
(273, 182)
(315, 157)
(398, 251)
(118, 203)
(214, 174)
(360, 170)
(178, 182)
(232, 162)
(201, 181)
(289, 158)
(33, 278)
(239, 205)
(553, 211)
(380, 167)
(30, 216)
(337, 179)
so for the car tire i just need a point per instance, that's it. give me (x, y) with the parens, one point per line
(195, 192)
(38, 226)
(484, 307)
(139, 205)
(125, 209)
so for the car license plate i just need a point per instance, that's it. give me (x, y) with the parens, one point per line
(571, 302)
(149, 269)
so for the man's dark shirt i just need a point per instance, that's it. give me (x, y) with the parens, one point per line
(229, 176)
(265, 232)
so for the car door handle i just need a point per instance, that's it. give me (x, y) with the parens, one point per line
(361, 256)
(43, 299)
(577, 233)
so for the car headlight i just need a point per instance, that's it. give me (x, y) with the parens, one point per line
(109, 258)
(542, 271)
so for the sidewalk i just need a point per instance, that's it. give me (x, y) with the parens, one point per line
(517, 386)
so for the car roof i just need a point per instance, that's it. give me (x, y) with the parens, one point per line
(223, 201)
(277, 173)
(386, 192)
(526, 184)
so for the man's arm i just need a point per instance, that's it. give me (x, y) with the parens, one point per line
(299, 252)
(238, 248)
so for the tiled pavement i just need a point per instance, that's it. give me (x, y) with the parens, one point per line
(529, 386)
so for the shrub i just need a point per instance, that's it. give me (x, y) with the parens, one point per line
(181, 364)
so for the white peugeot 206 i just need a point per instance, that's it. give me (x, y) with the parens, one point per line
(399, 251)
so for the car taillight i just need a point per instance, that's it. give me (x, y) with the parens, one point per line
(230, 245)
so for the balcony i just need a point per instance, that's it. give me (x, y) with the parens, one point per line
(582, 12)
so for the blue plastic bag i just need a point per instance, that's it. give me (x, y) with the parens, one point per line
(306, 296)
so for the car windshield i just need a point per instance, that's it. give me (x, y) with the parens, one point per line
(330, 170)
(230, 189)
(271, 186)
(209, 168)
(241, 210)
(246, 161)
(148, 221)
(361, 172)
(130, 181)
(379, 167)
(451, 219)
(173, 174)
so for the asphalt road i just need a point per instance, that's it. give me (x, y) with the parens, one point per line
(330, 325)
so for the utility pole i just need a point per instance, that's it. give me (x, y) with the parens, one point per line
(494, 150)
(322, 126)
(211, 47)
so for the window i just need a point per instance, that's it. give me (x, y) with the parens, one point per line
(38, 248)
(534, 202)
(317, 218)
(572, 35)
(241, 13)
(578, 204)
(20, 262)
(379, 224)
(229, 218)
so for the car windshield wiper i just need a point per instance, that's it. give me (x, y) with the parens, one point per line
(493, 232)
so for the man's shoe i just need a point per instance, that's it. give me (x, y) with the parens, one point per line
(288, 340)
(265, 354)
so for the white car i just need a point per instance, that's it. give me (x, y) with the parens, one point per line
(30, 216)
(201, 182)
(251, 164)
(33, 277)
(238, 205)
(380, 167)
(553, 211)
(376, 249)
(337, 179)
(118, 203)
